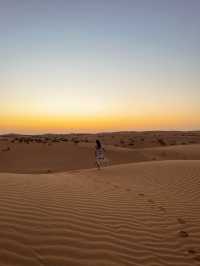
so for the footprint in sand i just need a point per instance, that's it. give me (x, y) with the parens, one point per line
(151, 201)
(162, 209)
(197, 258)
(191, 251)
(183, 234)
(181, 221)
(141, 194)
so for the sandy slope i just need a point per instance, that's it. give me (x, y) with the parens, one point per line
(135, 214)
(41, 158)
(60, 157)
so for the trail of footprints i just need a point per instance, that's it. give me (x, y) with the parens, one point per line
(182, 222)
(182, 233)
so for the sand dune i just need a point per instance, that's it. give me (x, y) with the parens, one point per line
(60, 157)
(41, 158)
(178, 152)
(135, 214)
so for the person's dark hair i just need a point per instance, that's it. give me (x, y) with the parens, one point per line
(98, 144)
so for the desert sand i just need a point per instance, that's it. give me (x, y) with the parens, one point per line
(142, 210)
(60, 153)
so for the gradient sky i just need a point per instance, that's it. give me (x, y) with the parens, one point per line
(99, 65)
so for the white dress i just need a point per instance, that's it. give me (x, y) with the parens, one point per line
(100, 154)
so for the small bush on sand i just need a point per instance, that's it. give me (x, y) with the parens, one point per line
(76, 141)
(162, 142)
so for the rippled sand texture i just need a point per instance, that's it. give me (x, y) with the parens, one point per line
(134, 214)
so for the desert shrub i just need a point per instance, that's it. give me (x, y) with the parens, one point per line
(162, 142)
(55, 140)
(75, 140)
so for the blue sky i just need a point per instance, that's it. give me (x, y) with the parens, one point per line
(86, 59)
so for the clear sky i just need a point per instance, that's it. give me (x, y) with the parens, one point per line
(99, 65)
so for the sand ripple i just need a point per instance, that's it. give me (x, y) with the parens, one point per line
(135, 214)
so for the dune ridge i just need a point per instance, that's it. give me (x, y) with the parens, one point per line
(133, 214)
(39, 158)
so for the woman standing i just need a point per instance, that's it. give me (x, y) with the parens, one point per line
(99, 154)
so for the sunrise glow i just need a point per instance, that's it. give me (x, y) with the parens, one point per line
(99, 66)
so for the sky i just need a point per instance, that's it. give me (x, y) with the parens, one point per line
(99, 65)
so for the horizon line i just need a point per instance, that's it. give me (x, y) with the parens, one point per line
(96, 133)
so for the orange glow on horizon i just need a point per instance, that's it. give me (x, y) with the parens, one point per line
(94, 123)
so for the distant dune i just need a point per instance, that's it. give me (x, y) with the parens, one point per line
(127, 139)
(64, 156)
(133, 214)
